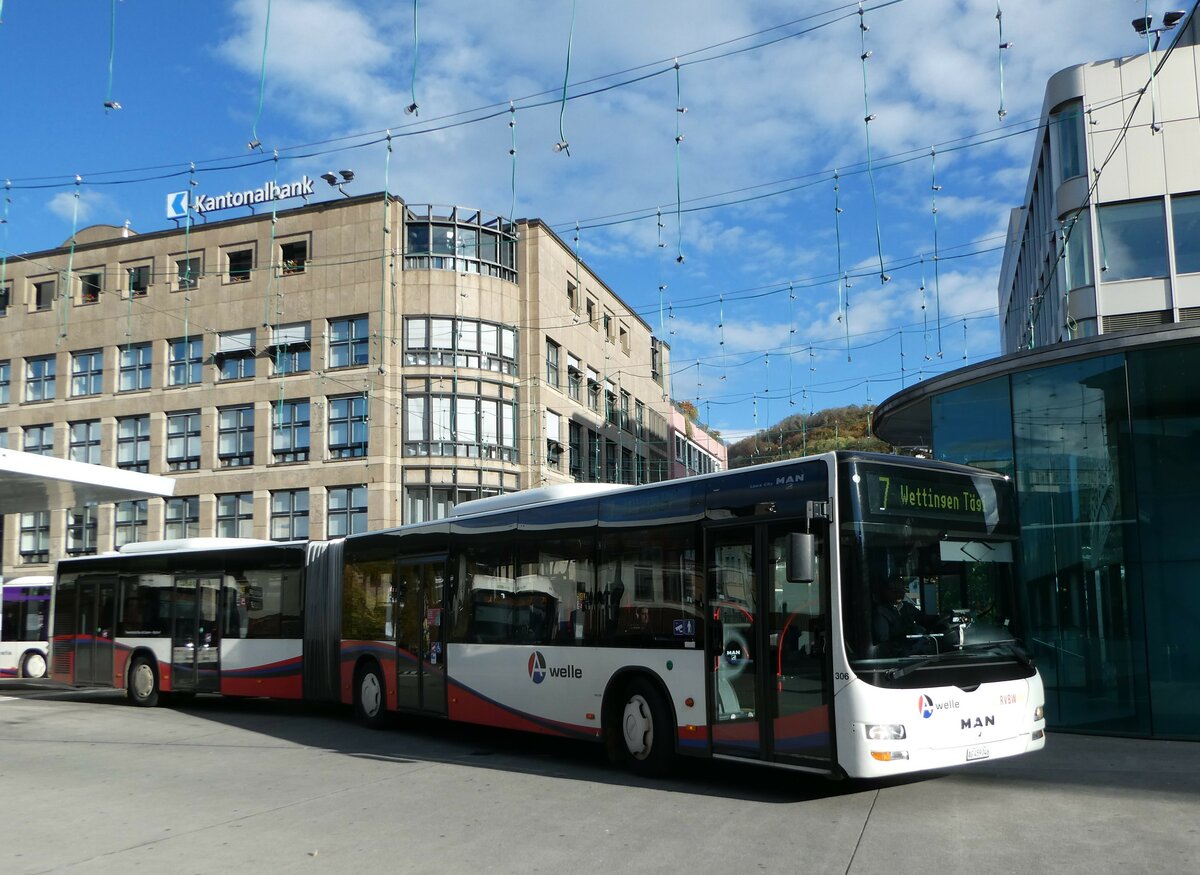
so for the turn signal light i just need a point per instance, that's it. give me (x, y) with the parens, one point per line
(886, 756)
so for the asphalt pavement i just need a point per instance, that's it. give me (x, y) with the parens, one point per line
(92, 784)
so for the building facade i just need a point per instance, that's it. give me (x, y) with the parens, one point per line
(344, 365)
(1094, 409)
(696, 451)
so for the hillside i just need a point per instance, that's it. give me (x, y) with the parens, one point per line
(838, 428)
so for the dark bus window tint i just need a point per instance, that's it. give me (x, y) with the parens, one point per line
(490, 604)
(367, 597)
(556, 576)
(263, 603)
(25, 613)
(65, 597)
(650, 590)
(145, 605)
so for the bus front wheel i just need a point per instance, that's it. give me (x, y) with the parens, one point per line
(646, 729)
(369, 696)
(34, 665)
(143, 683)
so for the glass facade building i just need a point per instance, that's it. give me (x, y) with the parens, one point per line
(1099, 436)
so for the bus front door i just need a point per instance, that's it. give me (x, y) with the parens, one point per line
(420, 641)
(770, 683)
(196, 641)
(94, 643)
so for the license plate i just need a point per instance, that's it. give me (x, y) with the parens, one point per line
(977, 753)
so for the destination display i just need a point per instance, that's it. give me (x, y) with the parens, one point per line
(894, 492)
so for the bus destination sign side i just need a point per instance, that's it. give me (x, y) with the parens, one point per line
(895, 494)
(179, 202)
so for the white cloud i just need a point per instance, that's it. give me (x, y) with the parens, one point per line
(90, 204)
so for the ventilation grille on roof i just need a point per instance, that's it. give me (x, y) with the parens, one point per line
(1187, 314)
(1132, 321)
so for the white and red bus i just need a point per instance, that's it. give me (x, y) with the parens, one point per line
(24, 620)
(846, 614)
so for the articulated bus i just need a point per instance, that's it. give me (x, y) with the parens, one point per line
(848, 614)
(24, 619)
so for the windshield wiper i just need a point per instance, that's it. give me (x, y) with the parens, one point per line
(991, 646)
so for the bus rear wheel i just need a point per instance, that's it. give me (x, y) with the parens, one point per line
(369, 696)
(34, 665)
(646, 729)
(143, 683)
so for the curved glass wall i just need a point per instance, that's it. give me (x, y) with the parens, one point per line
(1103, 453)
(463, 240)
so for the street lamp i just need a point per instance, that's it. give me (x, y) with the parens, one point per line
(334, 182)
(1145, 26)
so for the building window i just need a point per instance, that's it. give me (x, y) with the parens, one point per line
(87, 373)
(623, 332)
(1067, 124)
(347, 427)
(424, 503)
(39, 378)
(591, 314)
(38, 440)
(182, 518)
(135, 367)
(5, 381)
(573, 296)
(289, 431)
(35, 537)
(1077, 239)
(575, 450)
(1185, 221)
(294, 255)
(5, 299)
(574, 378)
(656, 360)
(348, 342)
(85, 441)
(235, 436)
(552, 351)
(553, 440)
(466, 241)
(639, 424)
(460, 343)
(235, 515)
(189, 272)
(466, 427)
(241, 263)
(183, 441)
(89, 287)
(291, 348)
(81, 531)
(610, 327)
(43, 295)
(133, 443)
(137, 280)
(235, 354)
(626, 421)
(186, 358)
(131, 522)
(289, 515)
(347, 511)
(1133, 240)
(593, 384)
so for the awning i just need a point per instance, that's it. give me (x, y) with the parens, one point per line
(29, 482)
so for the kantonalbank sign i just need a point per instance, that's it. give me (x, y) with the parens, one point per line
(179, 202)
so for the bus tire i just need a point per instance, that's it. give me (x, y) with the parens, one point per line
(646, 729)
(370, 695)
(143, 683)
(33, 665)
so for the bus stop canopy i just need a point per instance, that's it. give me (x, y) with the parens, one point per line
(30, 482)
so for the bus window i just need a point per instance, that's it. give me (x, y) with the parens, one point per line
(146, 606)
(562, 569)
(649, 590)
(486, 611)
(367, 594)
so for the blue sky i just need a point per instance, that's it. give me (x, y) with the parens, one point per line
(776, 100)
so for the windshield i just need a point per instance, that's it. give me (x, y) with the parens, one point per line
(927, 575)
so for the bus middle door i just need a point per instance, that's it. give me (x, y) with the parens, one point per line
(97, 618)
(196, 640)
(420, 635)
(770, 685)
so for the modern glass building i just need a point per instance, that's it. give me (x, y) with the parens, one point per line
(1094, 406)
(1101, 436)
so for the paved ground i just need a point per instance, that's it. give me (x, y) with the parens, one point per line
(92, 785)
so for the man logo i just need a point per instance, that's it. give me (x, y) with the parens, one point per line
(925, 706)
(537, 667)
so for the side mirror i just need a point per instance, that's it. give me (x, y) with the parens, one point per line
(801, 558)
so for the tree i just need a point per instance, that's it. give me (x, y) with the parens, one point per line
(838, 428)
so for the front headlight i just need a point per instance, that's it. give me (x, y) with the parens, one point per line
(1039, 713)
(882, 731)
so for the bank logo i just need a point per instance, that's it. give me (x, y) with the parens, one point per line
(925, 706)
(537, 667)
(177, 205)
